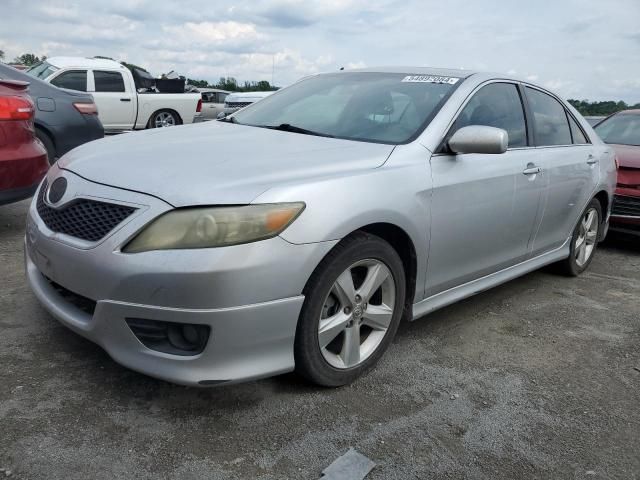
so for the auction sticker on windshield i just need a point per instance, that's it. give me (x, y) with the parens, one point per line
(430, 79)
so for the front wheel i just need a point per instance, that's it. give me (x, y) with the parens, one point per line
(353, 305)
(584, 240)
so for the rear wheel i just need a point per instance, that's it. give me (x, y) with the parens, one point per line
(584, 240)
(353, 305)
(48, 145)
(164, 118)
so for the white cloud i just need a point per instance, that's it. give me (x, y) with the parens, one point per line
(591, 55)
(212, 33)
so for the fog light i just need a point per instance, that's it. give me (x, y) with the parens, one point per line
(170, 337)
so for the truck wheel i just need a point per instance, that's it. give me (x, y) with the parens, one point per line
(164, 118)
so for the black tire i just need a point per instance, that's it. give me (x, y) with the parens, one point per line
(48, 145)
(309, 360)
(160, 113)
(569, 266)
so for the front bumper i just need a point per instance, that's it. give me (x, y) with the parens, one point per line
(17, 194)
(250, 295)
(625, 213)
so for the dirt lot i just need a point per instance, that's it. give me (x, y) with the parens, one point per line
(538, 378)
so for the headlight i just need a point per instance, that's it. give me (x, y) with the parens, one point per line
(214, 227)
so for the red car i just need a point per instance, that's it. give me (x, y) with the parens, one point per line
(622, 131)
(23, 159)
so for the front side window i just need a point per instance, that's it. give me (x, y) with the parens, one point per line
(496, 105)
(376, 107)
(621, 129)
(550, 122)
(73, 80)
(577, 134)
(108, 81)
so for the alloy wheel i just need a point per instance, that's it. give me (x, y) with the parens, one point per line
(356, 314)
(164, 119)
(587, 237)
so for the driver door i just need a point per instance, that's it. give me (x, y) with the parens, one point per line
(485, 207)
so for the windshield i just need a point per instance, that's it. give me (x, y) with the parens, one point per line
(42, 70)
(622, 129)
(375, 107)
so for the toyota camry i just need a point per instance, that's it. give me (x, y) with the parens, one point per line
(297, 233)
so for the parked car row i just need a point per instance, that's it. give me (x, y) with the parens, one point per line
(63, 119)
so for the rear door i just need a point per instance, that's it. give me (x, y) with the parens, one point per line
(114, 98)
(568, 162)
(484, 207)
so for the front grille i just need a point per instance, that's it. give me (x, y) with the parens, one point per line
(238, 104)
(85, 219)
(629, 206)
(83, 303)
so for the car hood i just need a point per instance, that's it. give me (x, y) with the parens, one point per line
(216, 162)
(628, 155)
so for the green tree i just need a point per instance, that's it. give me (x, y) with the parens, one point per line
(28, 59)
(587, 108)
(198, 83)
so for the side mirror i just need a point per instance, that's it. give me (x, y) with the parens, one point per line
(221, 115)
(479, 139)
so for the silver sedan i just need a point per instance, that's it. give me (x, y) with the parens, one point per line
(299, 232)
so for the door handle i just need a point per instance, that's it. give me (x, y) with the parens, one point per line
(531, 169)
(125, 99)
(591, 160)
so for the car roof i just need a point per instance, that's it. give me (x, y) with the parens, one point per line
(251, 94)
(441, 72)
(84, 62)
(215, 90)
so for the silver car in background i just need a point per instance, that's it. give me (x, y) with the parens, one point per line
(213, 100)
(325, 214)
(236, 101)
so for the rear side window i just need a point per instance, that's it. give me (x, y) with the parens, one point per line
(497, 105)
(549, 119)
(73, 80)
(108, 81)
(577, 134)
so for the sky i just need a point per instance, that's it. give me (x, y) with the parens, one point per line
(583, 49)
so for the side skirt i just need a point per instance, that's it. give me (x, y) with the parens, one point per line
(473, 287)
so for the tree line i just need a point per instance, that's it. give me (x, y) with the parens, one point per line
(232, 85)
(587, 108)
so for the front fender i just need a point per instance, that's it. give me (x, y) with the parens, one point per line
(397, 194)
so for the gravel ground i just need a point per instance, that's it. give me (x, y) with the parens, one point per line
(539, 378)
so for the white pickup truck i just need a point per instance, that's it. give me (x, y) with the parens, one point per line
(120, 105)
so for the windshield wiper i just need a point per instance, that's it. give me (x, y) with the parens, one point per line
(287, 127)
